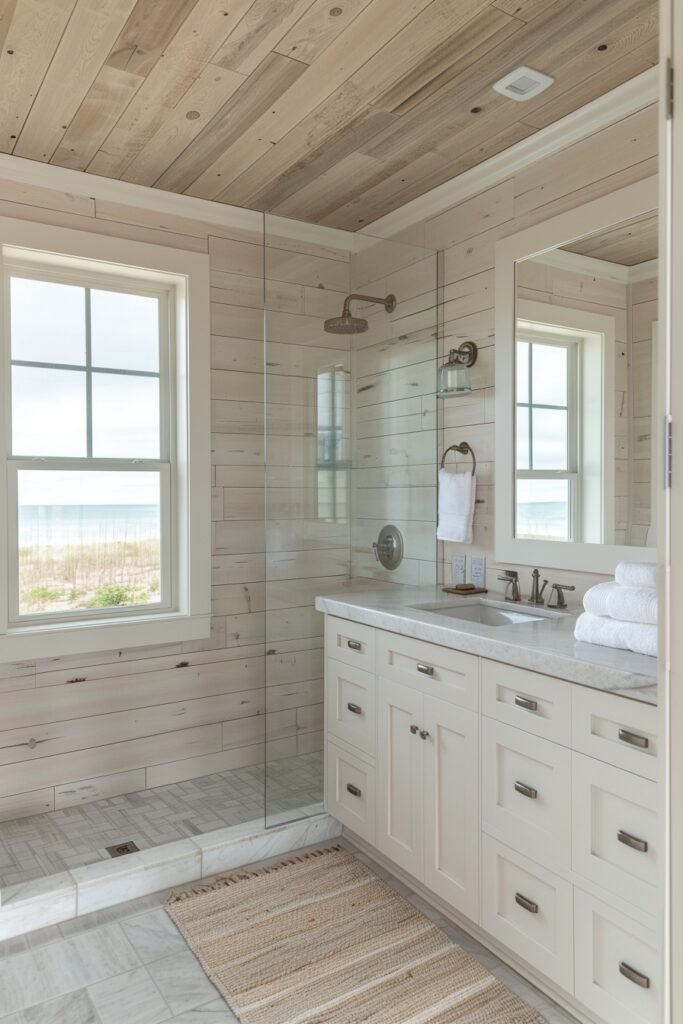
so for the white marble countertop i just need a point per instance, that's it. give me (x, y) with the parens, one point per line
(546, 646)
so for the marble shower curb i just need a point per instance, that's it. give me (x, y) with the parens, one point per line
(57, 898)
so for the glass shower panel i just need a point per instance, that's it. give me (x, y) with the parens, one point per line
(307, 416)
(331, 483)
(393, 385)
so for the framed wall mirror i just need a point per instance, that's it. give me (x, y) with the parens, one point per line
(578, 435)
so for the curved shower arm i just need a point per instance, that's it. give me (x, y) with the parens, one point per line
(389, 302)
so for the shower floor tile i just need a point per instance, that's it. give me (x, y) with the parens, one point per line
(45, 844)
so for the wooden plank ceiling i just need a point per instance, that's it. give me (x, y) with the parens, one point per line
(331, 111)
(627, 244)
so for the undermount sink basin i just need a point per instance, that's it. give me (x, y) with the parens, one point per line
(486, 613)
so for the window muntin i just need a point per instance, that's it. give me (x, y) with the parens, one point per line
(547, 431)
(89, 463)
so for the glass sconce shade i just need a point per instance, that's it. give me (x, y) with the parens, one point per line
(454, 376)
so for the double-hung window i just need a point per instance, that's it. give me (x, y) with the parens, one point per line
(103, 439)
(90, 459)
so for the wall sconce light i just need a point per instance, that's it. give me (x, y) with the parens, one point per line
(454, 376)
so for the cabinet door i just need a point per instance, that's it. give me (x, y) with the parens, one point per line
(451, 804)
(400, 751)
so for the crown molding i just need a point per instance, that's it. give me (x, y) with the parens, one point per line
(626, 99)
(237, 218)
(562, 259)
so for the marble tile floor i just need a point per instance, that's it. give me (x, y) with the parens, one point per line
(129, 963)
(57, 841)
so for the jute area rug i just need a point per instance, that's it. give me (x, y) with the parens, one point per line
(320, 939)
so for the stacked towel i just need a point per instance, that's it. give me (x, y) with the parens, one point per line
(457, 493)
(623, 612)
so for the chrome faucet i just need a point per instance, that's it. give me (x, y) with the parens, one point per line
(559, 589)
(536, 595)
(511, 578)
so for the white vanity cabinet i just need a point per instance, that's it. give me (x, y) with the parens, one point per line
(427, 747)
(526, 803)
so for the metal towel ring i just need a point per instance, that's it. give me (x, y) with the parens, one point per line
(464, 449)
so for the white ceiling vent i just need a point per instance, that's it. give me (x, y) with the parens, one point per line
(523, 83)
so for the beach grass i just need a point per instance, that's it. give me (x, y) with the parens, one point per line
(94, 575)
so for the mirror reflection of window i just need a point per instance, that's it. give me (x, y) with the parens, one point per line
(547, 439)
(332, 465)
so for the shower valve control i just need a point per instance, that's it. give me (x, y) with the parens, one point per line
(388, 547)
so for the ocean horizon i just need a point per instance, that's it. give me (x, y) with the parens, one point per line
(65, 525)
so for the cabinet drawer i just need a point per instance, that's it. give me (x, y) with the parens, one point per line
(526, 793)
(351, 643)
(447, 674)
(617, 730)
(529, 909)
(350, 705)
(617, 973)
(350, 789)
(538, 704)
(616, 834)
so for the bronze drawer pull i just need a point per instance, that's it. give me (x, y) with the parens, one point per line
(626, 736)
(633, 975)
(525, 790)
(525, 903)
(353, 790)
(426, 670)
(355, 645)
(526, 702)
(355, 709)
(628, 840)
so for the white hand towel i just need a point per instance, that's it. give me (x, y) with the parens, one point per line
(636, 574)
(626, 636)
(596, 599)
(457, 492)
(631, 604)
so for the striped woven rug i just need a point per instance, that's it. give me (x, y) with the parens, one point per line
(320, 939)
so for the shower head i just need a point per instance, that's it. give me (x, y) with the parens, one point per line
(347, 324)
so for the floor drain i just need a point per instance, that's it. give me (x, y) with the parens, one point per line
(121, 849)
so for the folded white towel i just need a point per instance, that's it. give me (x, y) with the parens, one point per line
(636, 574)
(641, 638)
(631, 604)
(457, 493)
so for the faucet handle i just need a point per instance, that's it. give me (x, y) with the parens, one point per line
(558, 589)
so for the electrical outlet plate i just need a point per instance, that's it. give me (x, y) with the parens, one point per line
(479, 570)
(458, 566)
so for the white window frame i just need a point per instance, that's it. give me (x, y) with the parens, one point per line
(181, 279)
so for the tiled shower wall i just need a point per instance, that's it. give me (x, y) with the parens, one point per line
(74, 730)
(607, 160)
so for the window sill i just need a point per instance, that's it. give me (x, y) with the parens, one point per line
(33, 642)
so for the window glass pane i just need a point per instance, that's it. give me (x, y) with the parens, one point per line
(88, 540)
(125, 416)
(522, 371)
(549, 375)
(543, 509)
(48, 412)
(125, 331)
(549, 442)
(522, 437)
(47, 321)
